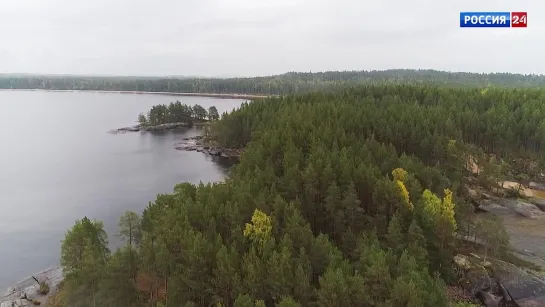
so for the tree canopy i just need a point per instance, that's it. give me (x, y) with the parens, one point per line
(347, 198)
(176, 112)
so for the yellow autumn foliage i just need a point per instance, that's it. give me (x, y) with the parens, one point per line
(432, 204)
(260, 228)
(399, 174)
(438, 210)
(447, 209)
(404, 194)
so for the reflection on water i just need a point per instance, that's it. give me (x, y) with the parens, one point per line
(224, 163)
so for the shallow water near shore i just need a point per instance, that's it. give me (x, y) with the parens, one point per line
(58, 164)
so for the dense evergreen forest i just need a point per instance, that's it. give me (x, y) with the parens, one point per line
(347, 198)
(176, 112)
(272, 85)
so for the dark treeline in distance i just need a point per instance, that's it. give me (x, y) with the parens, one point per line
(349, 198)
(176, 112)
(287, 83)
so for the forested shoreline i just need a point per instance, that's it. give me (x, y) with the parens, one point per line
(347, 198)
(288, 83)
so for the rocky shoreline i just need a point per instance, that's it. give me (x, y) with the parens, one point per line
(27, 292)
(497, 283)
(162, 127)
(199, 144)
(195, 143)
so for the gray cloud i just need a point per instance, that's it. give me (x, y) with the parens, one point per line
(248, 37)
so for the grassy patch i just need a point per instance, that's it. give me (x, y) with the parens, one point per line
(44, 288)
(59, 299)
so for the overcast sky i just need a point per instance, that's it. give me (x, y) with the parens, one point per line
(262, 37)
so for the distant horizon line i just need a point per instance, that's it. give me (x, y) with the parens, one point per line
(181, 76)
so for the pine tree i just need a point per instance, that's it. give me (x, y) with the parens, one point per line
(335, 211)
(226, 277)
(416, 246)
(280, 274)
(395, 236)
(334, 289)
(213, 114)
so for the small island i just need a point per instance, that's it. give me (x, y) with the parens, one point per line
(176, 115)
(172, 116)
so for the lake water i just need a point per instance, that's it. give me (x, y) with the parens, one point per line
(59, 164)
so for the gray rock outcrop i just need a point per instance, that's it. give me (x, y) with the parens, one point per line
(162, 127)
(502, 284)
(22, 293)
(524, 287)
(502, 206)
(495, 208)
(538, 202)
(126, 129)
(198, 144)
(490, 300)
(524, 208)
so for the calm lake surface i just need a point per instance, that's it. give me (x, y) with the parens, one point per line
(59, 164)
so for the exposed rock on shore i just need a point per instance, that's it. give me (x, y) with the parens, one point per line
(24, 292)
(500, 283)
(525, 287)
(162, 127)
(197, 143)
(523, 208)
(539, 202)
(495, 208)
(126, 129)
(524, 221)
(504, 206)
